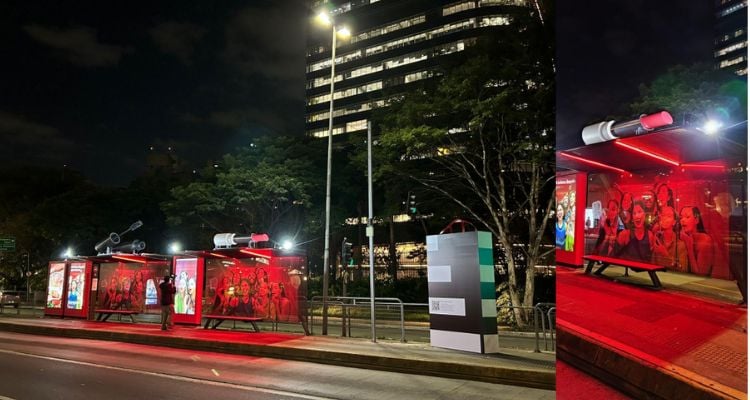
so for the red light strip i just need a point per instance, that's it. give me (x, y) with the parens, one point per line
(647, 153)
(703, 166)
(130, 259)
(592, 162)
(246, 251)
(218, 255)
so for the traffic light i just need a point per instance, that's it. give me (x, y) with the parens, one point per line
(412, 204)
(346, 252)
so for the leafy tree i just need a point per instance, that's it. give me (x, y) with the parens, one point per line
(268, 186)
(694, 94)
(482, 138)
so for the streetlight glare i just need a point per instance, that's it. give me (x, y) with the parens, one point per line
(175, 247)
(711, 127)
(344, 32)
(324, 19)
(68, 253)
(287, 245)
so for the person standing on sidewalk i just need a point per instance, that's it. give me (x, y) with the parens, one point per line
(167, 291)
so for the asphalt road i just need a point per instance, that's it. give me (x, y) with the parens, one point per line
(38, 367)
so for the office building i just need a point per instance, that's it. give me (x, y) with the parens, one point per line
(730, 46)
(393, 44)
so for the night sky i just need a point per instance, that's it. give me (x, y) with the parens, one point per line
(606, 48)
(94, 84)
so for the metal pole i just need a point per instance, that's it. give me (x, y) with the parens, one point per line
(326, 250)
(28, 276)
(370, 230)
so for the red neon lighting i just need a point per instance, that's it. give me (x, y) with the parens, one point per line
(129, 259)
(647, 153)
(703, 166)
(246, 251)
(592, 162)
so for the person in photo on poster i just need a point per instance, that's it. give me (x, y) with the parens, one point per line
(560, 227)
(636, 243)
(138, 291)
(190, 298)
(700, 246)
(605, 243)
(669, 250)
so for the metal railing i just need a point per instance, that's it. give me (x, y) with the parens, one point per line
(544, 323)
(350, 304)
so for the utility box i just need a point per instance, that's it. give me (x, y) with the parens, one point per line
(461, 283)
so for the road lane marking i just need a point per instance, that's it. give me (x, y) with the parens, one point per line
(174, 377)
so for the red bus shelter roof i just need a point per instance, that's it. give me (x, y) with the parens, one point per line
(674, 147)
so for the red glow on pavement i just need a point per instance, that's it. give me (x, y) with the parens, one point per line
(647, 153)
(592, 162)
(664, 325)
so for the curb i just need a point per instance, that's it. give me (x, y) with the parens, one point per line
(638, 375)
(492, 374)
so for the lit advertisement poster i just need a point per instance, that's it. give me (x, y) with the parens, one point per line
(679, 221)
(255, 287)
(565, 213)
(55, 285)
(128, 286)
(186, 270)
(76, 282)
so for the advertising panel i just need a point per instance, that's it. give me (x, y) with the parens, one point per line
(569, 217)
(76, 284)
(129, 286)
(189, 285)
(678, 220)
(55, 285)
(257, 286)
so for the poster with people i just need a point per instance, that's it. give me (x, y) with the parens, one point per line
(186, 270)
(55, 285)
(565, 213)
(255, 287)
(678, 220)
(125, 286)
(76, 282)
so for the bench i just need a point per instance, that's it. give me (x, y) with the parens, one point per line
(636, 266)
(218, 319)
(104, 315)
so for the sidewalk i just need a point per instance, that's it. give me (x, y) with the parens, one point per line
(649, 343)
(520, 368)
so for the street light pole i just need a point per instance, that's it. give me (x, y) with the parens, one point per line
(326, 250)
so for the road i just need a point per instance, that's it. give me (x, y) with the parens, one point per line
(38, 367)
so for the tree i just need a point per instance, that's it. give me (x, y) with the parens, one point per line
(482, 137)
(694, 94)
(265, 187)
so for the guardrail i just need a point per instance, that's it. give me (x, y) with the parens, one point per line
(348, 304)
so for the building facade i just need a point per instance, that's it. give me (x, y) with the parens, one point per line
(393, 44)
(730, 46)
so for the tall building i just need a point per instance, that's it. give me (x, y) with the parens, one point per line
(393, 43)
(730, 47)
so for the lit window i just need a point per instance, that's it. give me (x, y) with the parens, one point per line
(458, 7)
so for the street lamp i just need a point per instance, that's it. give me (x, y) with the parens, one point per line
(326, 20)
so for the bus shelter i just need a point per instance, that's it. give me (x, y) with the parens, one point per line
(675, 198)
(124, 284)
(248, 284)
